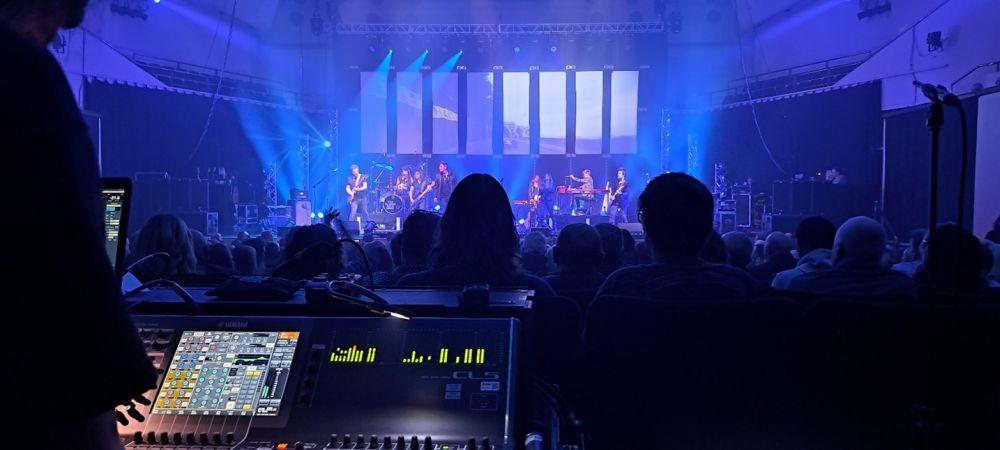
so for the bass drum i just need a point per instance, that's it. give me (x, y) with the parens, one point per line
(392, 204)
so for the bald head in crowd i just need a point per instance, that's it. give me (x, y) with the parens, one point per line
(778, 243)
(859, 244)
(739, 249)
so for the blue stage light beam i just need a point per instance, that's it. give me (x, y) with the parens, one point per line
(418, 63)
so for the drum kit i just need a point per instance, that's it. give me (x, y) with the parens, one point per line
(391, 200)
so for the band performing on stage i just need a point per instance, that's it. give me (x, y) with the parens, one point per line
(412, 189)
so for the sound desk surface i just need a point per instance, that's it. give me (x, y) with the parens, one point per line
(338, 383)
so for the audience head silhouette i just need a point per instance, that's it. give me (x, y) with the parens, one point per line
(477, 234)
(814, 233)
(417, 238)
(859, 245)
(676, 211)
(739, 249)
(714, 250)
(778, 243)
(167, 234)
(957, 260)
(578, 248)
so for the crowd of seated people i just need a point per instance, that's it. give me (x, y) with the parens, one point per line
(682, 257)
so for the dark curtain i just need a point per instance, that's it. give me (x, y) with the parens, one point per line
(806, 134)
(907, 171)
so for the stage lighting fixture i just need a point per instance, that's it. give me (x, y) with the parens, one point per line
(520, 221)
(319, 215)
(517, 49)
(316, 23)
(327, 144)
(131, 8)
(871, 8)
(675, 22)
(934, 43)
(553, 49)
(312, 215)
(437, 207)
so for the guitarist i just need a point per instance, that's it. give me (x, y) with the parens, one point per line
(618, 199)
(357, 184)
(534, 199)
(420, 188)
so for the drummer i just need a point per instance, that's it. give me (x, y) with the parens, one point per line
(402, 188)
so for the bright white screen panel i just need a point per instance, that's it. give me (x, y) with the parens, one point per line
(374, 88)
(552, 113)
(516, 131)
(624, 111)
(589, 111)
(479, 112)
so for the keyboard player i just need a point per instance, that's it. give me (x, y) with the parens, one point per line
(583, 201)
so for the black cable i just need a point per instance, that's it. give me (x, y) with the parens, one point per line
(753, 105)
(218, 86)
(368, 267)
(176, 288)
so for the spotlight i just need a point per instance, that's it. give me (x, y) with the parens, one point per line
(520, 221)
(426, 51)
(517, 49)
(555, 208)
(553, 49)
(156, 1)
(437, 207)
(327, 144)
(312, 215)
(934, 43)
(319, 215)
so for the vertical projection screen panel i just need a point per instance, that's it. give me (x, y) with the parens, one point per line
(516, 129)
(589, 111)
(410, 113)
(374, 91)
(552, 113)
(624, 111)
(480, 113)
(444, 89)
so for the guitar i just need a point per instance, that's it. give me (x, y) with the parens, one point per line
(430, 186)
(613, 195)
(607, 200)
(352, 191)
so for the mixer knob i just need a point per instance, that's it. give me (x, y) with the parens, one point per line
(164, 438)
(486, 444)
(151, 437)
(333, 442)
(400, 443)
(387, 442)
(137, 438)
(177, 438)
(190, 438)
(471, 445)
(428, 444)
(216, 438)
(347, 441)
(359, 442)
(414, 443)
(373, 442)
(203, 438)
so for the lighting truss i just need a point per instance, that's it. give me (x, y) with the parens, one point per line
(498, 29)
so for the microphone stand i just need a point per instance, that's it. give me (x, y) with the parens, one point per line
(935, 119)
